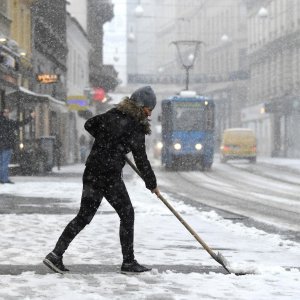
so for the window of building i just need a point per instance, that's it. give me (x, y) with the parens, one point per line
(3, 6)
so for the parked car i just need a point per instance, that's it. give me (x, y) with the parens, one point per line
(238, 143)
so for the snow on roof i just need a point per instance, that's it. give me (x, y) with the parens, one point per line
(238, 129)
(188, 94)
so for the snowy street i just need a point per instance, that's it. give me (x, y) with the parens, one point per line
(202, 97)
(36, 209)
(267, 192)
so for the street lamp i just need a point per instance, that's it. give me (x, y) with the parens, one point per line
(224, 38)
(116, 56)
(263, 15)
(187, 53)
(139, 11)
(22, 52)
(3, 38)
(131, 36)
(191, 57)
(263, 12)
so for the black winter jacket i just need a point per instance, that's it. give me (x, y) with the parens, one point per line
(8, 131)
(116, 134)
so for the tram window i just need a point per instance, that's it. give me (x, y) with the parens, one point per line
(209, 115)
(166, 117)
(188, 117)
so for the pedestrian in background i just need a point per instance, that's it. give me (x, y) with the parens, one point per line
(117, 132)
(83, 148)
(83, 151)
(8, 129)
(57, 151)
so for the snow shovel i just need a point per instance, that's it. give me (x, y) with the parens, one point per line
(217, 257)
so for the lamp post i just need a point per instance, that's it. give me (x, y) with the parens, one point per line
(3, 38)
(224, 38)
(263, 12)
(139, 11)
(116, 56)
(160, 69)
(187, 53)
(131, 35)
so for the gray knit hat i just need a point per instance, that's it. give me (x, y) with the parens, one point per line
(144, 96)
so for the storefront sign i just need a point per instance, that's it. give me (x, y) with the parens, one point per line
(47, 78)
(77, 103)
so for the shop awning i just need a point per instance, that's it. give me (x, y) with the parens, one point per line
(25, 96)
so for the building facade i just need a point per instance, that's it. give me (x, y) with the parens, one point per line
(78, 85)
(219, 67)
(37, 34)
(15, 47)
(274, 89)
(39, 80)
(101, 75)
(49, 47)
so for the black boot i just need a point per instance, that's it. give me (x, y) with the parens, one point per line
(133, 268)
(55, 263)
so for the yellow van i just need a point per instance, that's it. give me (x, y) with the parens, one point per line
(238, 143)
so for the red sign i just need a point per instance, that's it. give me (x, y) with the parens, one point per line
(99, 95)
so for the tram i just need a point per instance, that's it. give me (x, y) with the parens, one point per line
(188, 131)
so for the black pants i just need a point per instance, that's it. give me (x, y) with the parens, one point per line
(95, 187)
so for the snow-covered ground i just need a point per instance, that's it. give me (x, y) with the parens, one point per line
(292, 164)
(281, 162)
(160, 241)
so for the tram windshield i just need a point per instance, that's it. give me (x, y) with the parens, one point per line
(192, 116)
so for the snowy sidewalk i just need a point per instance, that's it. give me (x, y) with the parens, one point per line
(35, 210)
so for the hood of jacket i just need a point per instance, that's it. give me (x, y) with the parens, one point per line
(128, 107)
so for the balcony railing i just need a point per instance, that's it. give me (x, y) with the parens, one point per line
(180, 78)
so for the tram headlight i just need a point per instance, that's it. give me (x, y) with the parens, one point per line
(198, 146)
(159, 145)
(21, 146)
(177, 146)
